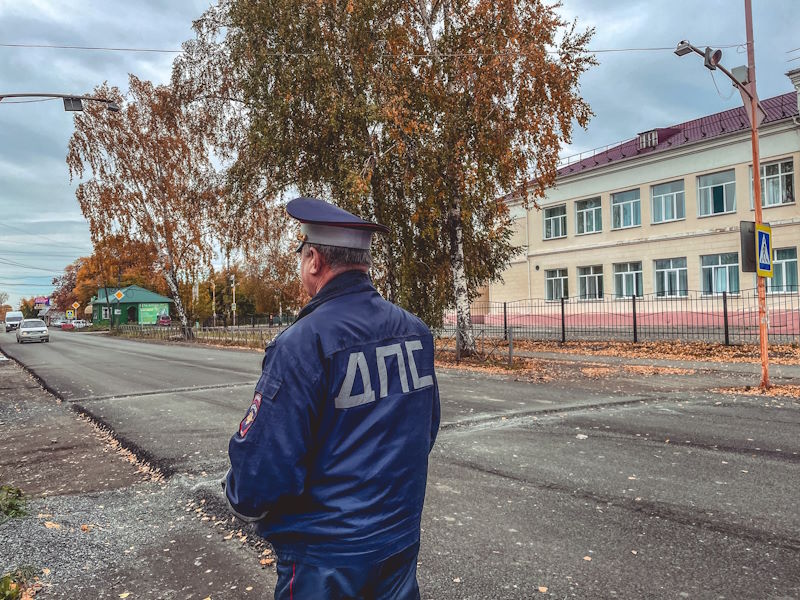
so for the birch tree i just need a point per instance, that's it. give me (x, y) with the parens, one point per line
(420, 114)
(150, 178)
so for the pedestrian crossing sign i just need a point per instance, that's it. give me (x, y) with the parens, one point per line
(763, 250)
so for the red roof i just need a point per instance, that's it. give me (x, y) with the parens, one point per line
(777, 108)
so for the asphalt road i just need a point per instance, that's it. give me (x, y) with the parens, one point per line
(592, 484)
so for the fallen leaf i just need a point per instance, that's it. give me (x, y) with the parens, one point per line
(587, 558)
(51, 525)
(227, 537)
(249, 588)
(267, 561)
(124, 594)
(85, 527)
(457, 580)
(634, 552)
(581, 436)
(46, 571)
(542, 589)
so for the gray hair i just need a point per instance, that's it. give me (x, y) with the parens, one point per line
(336, 257)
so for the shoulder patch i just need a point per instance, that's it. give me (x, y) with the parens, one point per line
(251, 415)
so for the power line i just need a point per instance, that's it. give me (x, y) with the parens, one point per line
(12, 263)
(402, 54)
(39, 235)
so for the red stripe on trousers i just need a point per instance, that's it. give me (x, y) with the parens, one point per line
(291, 583)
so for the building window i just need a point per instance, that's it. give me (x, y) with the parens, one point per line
(556, 284)
(555, 222)
(671, 277)
(784, 271)
(590, 282)
(777, 183)
(628, 279)
(668, 201)
(105, 312)
(626, 209)
(720, 273)
(716, 193)
(589, 216)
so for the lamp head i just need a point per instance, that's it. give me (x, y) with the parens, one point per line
(684, 48)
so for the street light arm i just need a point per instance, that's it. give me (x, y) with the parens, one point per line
(696, 50)
(111, 104)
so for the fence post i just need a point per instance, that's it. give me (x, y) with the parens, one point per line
(725, 317)
(563, 323)
(635, 329)
(510, 346)
(505, 321)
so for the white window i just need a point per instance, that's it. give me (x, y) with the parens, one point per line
(105, 312)
(784, 271)
(590, 282)
(671, 277)
(589, 216)
(626, 209)
(668, 201)
(556, 284)
(716, 193)
(628, 279)
(555, 222)
(777, 183)
(720, 273)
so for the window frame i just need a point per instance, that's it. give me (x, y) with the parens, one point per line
(665, 273)
(586, 277)
(783, 263)
(727, 268)
(700, 213)
(581, 215)
(780, 176)
(104, 312)
(562, 218)
(636, 276)
(621, 205)
(663, 199)
(562, 280)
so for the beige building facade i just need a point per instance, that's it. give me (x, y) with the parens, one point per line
(660, 215)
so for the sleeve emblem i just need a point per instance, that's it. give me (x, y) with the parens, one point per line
(250, 417)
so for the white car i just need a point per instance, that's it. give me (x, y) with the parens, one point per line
(32, 330)
(79, 323)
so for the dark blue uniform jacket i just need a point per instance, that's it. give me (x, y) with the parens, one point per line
(332, 458)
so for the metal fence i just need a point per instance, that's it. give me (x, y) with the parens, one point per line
(245, 335)
(722, 318)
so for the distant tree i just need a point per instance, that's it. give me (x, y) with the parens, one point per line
(27, 309)
(151, 178)
(63, 295)
(3, 297)
(421, 114)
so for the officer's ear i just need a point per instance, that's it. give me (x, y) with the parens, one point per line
(315, 261)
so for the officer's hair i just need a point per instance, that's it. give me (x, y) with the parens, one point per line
(336, 257)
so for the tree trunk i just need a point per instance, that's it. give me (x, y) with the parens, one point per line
(172, 282)
(466, 342)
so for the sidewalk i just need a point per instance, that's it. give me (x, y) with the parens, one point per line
(99, 523)
(754, 368)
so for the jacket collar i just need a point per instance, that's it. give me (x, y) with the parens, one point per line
(349, 282)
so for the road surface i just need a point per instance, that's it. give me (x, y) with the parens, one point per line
(589, 481)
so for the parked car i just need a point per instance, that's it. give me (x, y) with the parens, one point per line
(165, 320)
(13, 319)
(56, 322)
(32, 330)
(79, 323)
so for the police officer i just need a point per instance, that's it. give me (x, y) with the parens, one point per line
(331, 459)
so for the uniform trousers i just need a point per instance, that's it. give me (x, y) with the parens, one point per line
(392, 579)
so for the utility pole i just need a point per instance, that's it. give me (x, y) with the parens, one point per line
(233, 306)
(747, 88)
(214, 302)
(762, 291)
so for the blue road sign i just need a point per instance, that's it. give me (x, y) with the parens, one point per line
(763, 250)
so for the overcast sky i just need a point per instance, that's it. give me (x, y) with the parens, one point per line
(41, 226)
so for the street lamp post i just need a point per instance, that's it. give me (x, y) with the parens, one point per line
(745, 82)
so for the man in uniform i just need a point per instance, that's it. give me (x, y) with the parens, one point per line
(331, 459)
